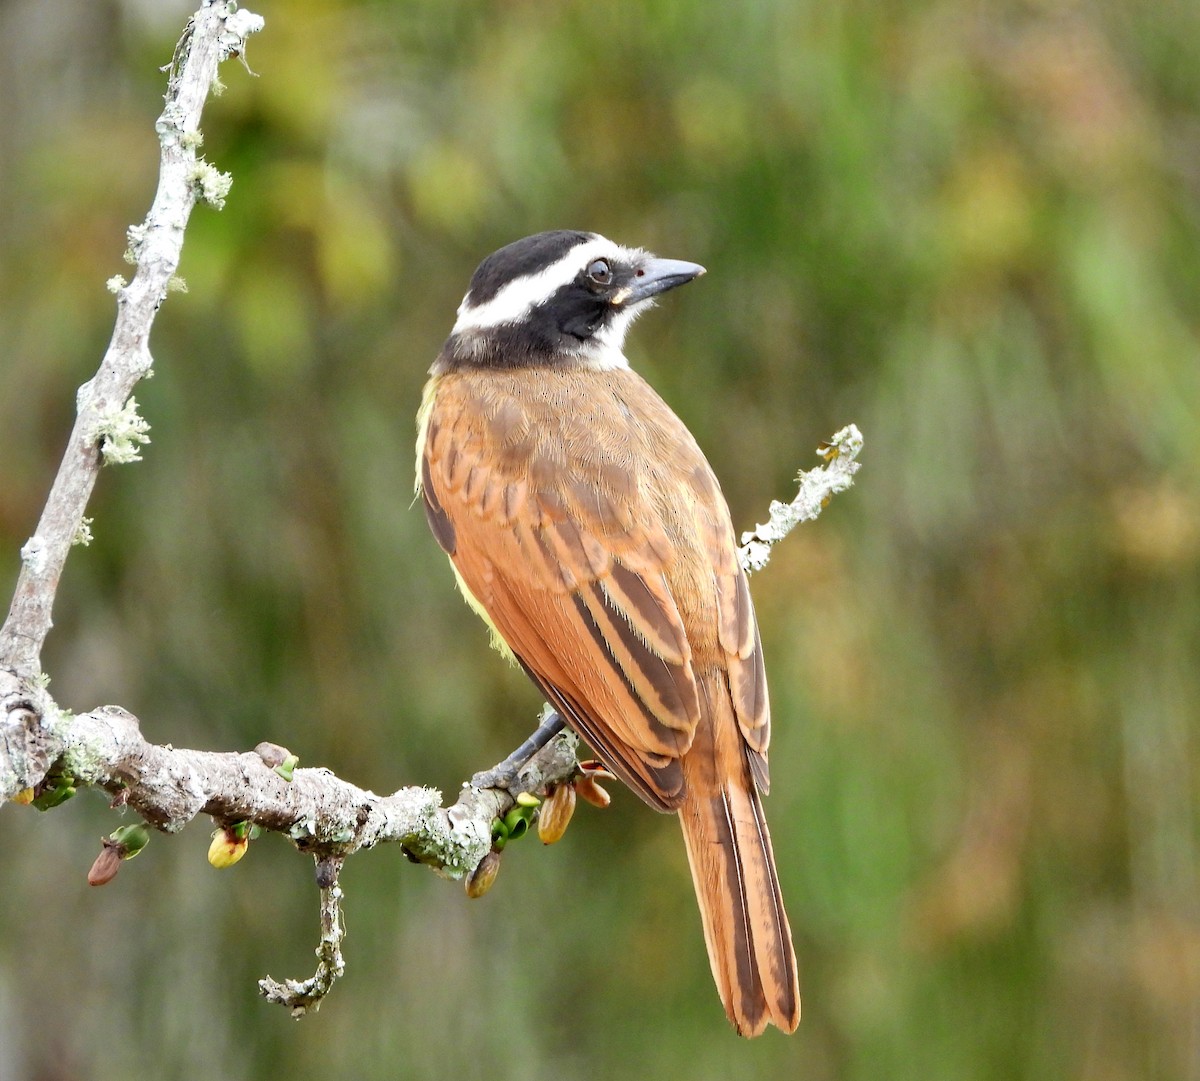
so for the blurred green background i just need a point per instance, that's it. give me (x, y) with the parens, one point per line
(973, 229)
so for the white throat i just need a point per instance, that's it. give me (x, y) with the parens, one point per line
(605, 350)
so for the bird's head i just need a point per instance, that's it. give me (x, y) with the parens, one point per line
(557, 298)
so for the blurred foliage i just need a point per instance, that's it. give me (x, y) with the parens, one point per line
(972, 229)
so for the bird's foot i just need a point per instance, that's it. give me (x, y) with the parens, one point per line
(501, 777)
(504, 773)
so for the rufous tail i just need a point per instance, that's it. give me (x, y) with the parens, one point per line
(745, 927)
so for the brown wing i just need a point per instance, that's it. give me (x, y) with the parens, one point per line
(584, 523)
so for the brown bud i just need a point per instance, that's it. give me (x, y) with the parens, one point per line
(555, 815)
(271, 753)
(480, 880)
(589, 790)
(107, 864)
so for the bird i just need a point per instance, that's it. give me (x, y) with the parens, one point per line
(587, 528)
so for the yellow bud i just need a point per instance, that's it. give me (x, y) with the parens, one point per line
(556, 813)
(226, 848)
(25, 796)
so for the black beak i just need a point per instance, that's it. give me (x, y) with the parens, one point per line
(656, 276)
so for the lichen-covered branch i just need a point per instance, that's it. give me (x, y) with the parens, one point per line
(319, 812)
(817, 487)
(107, 427)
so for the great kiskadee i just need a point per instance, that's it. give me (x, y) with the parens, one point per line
(586, 527)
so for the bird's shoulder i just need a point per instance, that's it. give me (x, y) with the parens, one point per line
(601, 448)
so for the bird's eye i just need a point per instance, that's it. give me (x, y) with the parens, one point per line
(599, 272)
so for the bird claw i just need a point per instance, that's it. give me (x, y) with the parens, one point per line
(503, 774)
(499, 777)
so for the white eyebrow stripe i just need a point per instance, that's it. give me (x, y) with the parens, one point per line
(515, 299)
